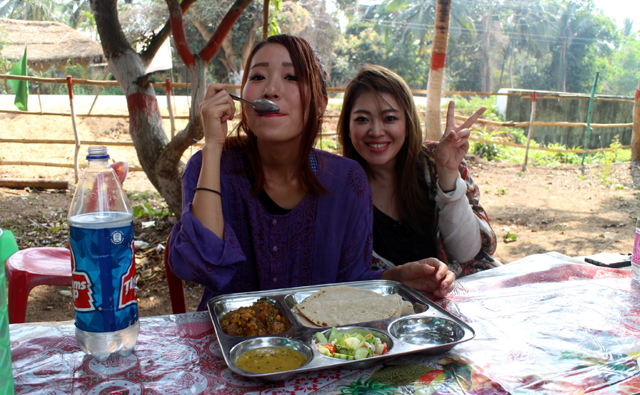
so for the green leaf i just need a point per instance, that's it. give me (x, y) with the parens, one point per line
(139, 211)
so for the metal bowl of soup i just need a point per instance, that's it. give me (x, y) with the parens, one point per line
(270, 355)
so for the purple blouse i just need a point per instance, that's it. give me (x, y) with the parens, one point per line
(324, 239)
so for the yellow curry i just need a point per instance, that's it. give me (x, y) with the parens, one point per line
(271, 360)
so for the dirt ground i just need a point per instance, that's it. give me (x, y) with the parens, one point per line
(544, 209)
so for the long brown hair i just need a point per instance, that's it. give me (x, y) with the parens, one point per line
(311, 75)
(412, 204)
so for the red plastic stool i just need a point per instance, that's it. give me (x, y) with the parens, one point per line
(35, 266)
(176, 289)
(29, 268)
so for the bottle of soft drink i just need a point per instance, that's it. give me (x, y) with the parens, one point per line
(635, 260)
(103, 267)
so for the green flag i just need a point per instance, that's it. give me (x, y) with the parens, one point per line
(20, 88)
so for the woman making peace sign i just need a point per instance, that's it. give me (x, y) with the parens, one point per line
(425, 203)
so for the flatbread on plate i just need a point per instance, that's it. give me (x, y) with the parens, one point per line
(340, 305)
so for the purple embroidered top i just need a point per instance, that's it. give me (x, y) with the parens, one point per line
(324, 239)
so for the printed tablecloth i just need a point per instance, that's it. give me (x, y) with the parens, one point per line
(544, 324)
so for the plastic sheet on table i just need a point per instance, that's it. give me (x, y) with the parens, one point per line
(544, 324)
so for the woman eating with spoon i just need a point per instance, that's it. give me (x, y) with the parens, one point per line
(426, 204)
(263, 209)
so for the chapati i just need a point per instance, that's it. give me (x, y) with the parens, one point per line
(336, 306)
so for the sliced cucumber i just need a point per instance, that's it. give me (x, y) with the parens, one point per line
(361, 353)
(320, 338)
(332, 335)
(342, 356)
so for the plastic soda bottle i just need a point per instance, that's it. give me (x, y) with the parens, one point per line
(635, 259)
(102, 261)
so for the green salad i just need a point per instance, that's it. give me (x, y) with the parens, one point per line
(349, 346)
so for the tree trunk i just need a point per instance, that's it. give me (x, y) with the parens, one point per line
(504, 61)
(436, 73)
(169, 166)
(561, 69)
(485, 67)
(511, 69)
(145, 121)
(159, 158)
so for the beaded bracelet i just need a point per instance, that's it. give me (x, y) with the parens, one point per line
(207, 189)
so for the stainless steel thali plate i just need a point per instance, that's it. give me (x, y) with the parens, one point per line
(430, 330)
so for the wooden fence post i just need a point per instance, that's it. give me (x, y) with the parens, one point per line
(39, 100)
(531, 121)
(76, 166)
(106, 72)
(167, 85)
(586, 136)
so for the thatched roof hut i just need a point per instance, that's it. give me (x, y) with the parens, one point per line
(48, 44)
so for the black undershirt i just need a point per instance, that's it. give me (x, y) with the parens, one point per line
(398, 242)
(268, 203)
(271, 206)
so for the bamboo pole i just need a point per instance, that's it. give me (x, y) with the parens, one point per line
(167, 84)
(635, 136)
(68, 142)
(76, 165)
(51, 164)
(588, 127)
(138, 168)
(180, 85)
(576, 151)
(200, 144)
(106, 72)
(39, 100)
(66, 114)
(33, 183)
(530, 132)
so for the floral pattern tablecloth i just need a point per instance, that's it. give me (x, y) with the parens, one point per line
(544, 325)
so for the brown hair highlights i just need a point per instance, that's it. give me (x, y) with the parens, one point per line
(409, 172)
(311, 75)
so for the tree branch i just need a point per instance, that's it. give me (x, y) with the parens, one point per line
(105, 13)
(156, 42)
(209, 50)
(202, 29)
(177, 27)
(265, 19)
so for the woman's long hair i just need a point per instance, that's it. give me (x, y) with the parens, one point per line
(412, 202)
(311, 75)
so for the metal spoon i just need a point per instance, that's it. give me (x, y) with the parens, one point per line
(261, 106)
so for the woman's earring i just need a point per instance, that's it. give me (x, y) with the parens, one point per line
(319, 116)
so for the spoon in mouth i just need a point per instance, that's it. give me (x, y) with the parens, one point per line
(261, 106)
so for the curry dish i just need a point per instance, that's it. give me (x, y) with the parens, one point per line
(271, 359)
(261, 318)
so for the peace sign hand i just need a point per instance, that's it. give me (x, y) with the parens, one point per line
(452, 147)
